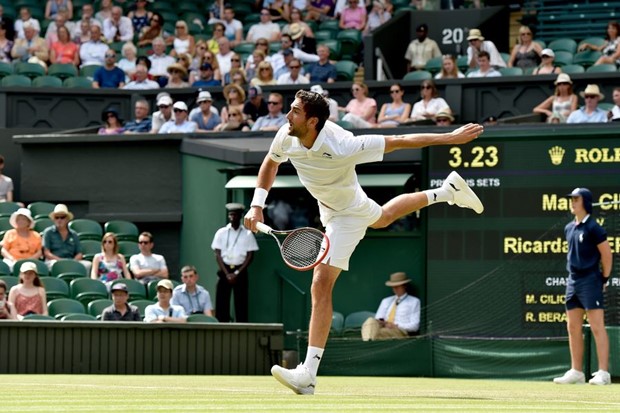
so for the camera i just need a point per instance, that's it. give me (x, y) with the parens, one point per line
(2, 303)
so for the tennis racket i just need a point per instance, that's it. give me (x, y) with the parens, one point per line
(302, 249)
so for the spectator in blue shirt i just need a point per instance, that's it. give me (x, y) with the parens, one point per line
(109, 76)
(180, 123)
(192, 297)
(323, 70)
(275, 118)
(205, 77)
(205, 118)
(142, 121)
(164, 311)
(590, 112)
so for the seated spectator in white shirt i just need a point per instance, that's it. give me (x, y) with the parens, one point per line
(93, 51)
(159, 59)
(265, 28)
(430, 104)
(180, 123)
(164, 114)
(293, 77)
(477, 44)
(398, 316)
(590, 112)
(142, 81)
(275, 118)
(118, 28)
(164, 311)
(484, 67)
(25, 17)
(146, 266)
(615, 111)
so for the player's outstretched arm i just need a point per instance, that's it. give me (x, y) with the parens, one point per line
(464, 134)
(266, 177)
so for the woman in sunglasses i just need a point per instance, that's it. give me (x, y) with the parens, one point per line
(564, 101)
(264, 75)
(361, 110)
(394, 113)
(109, 264)
(430, 104)
(113, 124)
(526, 52)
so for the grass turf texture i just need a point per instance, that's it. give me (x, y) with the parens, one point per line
(21, 393)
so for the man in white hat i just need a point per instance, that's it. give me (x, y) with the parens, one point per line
(59, 241)
(181, 123)
(21, 242)
(444, 117)
(333, 105)
(164, 114)
(205, 117)
(398, 315)
(590, 112)
(163, 311)
(300, 40)
(234, 247)
(477, 44)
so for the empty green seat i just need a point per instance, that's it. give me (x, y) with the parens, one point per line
(54, 288)
(90, 248)
(603, 68)
(78, 317)
(62, 70)
(511, 71)
(137, 290)
(141, 305)
(41, 209)
(572, 68)
(566, 44)
(86, 290)
(41, 224)
(7, 208)
(332, 25)
(563, 58)
(350, 43)
(124, 230)
(31, 70)
(96, 307)
(38, 317)
(5, 269)
(46, 81)
(87, 229)
(201, 318)
(462, 63)
(60, 307)
(10, 282)
(586, 58)
(244, 48)
(68, 270)
(334, 48)
(89, 71)
(596, 41)
(418, 75)
(5, 69)
(78, 82)
(353, 322)
(322, 35)
(128, 248)
(434, 65)
(16, 81)
(346, 70)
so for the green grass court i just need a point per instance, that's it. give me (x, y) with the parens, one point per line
(21, 393)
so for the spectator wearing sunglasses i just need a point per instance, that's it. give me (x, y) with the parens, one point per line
(293, 77)
(430, 104)
(477, 44)
(275, 118)
(264, 28)
(180, 122)
(590, 112)
(395, 112)
(146, 266)
(526, 52)
(164, 114)
(109, 76)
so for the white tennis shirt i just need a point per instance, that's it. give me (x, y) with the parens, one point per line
(327, 170)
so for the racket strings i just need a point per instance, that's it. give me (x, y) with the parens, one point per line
(301, 248)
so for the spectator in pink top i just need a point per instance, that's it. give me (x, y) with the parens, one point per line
(64, 50)
(361, 110)
(353, 16)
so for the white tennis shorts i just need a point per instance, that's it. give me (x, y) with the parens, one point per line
(346, 228)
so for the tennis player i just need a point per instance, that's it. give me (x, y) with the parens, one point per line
(589, 267)
(325, 156)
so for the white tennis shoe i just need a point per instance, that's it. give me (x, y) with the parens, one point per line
(299, 379)
(600, 378)
(572, 376)
(463, 195)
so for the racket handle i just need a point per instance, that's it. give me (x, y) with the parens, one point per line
(265, 229)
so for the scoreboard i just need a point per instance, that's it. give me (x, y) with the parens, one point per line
(503, 273)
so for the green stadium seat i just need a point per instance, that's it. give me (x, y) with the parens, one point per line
(90, 247)
(197, 18)
(345, 124)
(195, 29)
(606, 106)
(596, 41)
(188, 7)
(350, 43)
(541, 42)
(463, 64)
(96, 307)
(42, 223)
(60, 307)
(38, 317)
(5, 269)
(5, 225)
(10, 282)
(201, 318)
(54, 288)
(563, 58)
(7, 208)
(418, 75)
(353, 322)
(251, 19)
(86, 290)
(31, 70)
(274, 47)
(337, 323)
(46, 81)
(322, 35)
(78, 82)
(170, 18)
(330, 25)
(346, 70)
(586, 58)
(68, 270)
(571, 69)
(137, 290)
(87, 229)
(128, 248)
(142, 304)
(244, 48)
(62, 70)
(6, 69)
(434, 65)
(89, 71)
(603, 68)
(124, 230)
(41, 267)
(78, 317)
(162, 7)
(566, 44)
(15, 81)
(511, 71)
(334, 48)
(505, 57)
(41, 209)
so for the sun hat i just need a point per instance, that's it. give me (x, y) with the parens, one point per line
(204, 96)
(21, 211)
(547, 52)
(296, 31)
(563, 78)
(29, 266)
(180, 105)
(444, 113)
(592, 90)
(61, 209)
(475, 34)
(398, 278)
(177, 66)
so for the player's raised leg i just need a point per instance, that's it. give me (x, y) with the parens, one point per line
(454, 191)
(302, 379)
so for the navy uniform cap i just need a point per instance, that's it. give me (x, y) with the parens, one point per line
(586, 195)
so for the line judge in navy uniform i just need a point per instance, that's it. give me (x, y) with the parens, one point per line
(234, 247)
(589, 267)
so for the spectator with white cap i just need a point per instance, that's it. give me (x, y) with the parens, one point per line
(164, 114)
(28, 297)
(205, 118)
(477, 44)
(21, 242)
(547, 67)
(564, 101)
(333, 105)
(180, 124)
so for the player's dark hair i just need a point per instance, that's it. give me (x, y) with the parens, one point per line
(315, 106)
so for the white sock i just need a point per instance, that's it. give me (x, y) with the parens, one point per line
(438, 195)
(313, 359)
